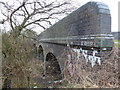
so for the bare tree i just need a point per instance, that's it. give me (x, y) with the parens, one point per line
(20, 16)
(29, 14)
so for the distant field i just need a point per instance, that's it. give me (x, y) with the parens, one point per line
(117, 42)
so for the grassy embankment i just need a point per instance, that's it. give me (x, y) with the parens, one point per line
(116, 42)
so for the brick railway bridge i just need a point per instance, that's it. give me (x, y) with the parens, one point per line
(86, 31)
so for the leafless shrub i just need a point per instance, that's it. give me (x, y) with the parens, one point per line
(85, 76)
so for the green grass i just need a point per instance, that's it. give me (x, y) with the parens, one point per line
(116, 40)
(116, 44)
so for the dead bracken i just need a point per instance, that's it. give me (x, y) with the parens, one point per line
(104, 75)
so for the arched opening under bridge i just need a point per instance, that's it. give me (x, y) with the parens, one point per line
(40, 53)
(52, 67)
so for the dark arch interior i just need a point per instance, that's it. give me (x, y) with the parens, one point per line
(40, 53)
(52, 67)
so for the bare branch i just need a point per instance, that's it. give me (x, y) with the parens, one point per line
(48, 22)
(38, 20)
(40, 25)
(29, 37)
(30, 12)
(13, 13)
(26, 10)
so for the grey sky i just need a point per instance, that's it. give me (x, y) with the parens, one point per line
(113, 6)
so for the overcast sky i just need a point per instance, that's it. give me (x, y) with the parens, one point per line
(113, 6)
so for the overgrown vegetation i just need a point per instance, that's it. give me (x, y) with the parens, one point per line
(20, 67)
(17, 52)
(84, 75)
(19, 19)
(100, 76)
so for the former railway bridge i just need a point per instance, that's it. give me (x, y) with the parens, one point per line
(86, 31)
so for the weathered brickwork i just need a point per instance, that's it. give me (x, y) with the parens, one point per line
(87, 29)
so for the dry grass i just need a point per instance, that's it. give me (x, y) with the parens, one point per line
(103, 76)
(34, 69)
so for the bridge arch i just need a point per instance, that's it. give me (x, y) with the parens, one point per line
(53, 67)
(40, 53)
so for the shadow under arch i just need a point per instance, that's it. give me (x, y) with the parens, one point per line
(40, 53)
(52, 67)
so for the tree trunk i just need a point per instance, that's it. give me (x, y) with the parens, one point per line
(7, 83)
